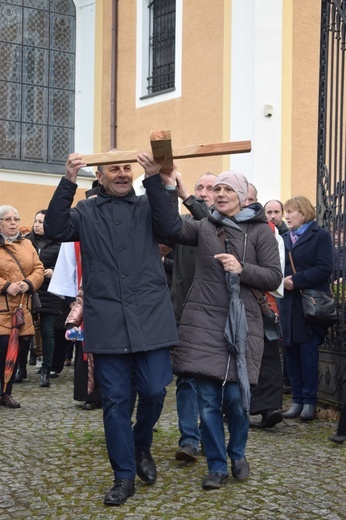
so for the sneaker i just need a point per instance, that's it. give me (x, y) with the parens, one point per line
(53, 374)
(214, 480)
(187, 453)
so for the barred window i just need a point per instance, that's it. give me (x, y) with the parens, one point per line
(161, 75)
(37, 82)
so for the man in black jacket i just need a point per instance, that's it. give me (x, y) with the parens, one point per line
(128, 319)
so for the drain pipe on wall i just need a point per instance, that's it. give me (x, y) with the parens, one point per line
(114, 58)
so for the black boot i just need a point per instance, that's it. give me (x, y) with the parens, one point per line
(44, 378)
(20, 374)
(308, 413)
(294, 411)
(32, 357)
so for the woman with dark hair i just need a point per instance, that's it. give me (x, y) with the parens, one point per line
(48, 251)
(21, 273)
(308, 265)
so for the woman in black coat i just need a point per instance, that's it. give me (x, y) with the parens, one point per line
(48, 251)
(311, 249)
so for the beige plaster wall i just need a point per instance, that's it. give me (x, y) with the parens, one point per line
(30, 198)
(305, 81)
(196, 117)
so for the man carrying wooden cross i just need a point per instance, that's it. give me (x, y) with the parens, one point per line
(129, 323)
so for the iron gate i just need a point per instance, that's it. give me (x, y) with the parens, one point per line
(331, 187)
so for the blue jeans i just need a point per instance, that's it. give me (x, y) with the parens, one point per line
(187, 409)
(153, 372)
(48, 343)
(302, 369)
(212, 396)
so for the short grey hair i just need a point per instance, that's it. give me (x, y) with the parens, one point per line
(6, 209)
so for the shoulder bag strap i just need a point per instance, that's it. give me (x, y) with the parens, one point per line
(291, 262)
(15, 259)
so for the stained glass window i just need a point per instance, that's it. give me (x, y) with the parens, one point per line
(37, 81)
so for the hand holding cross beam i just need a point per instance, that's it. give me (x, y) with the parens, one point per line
(153, 167)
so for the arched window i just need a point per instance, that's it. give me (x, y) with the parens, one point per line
(37, 83)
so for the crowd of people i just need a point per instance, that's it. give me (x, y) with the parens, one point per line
(102, 269)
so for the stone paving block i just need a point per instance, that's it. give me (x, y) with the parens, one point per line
(54, 465)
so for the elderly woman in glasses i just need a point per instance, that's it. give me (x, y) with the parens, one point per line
(21, 273)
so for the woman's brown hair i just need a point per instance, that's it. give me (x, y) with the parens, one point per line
(303, 205)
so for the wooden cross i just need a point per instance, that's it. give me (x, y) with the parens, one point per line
(161, 146)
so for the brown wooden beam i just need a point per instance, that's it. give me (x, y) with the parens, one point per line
(198, 150)
(161, 146)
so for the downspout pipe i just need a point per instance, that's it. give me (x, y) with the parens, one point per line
(114, 58)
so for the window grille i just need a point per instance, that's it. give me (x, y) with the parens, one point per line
(37, 81)
(161, 46)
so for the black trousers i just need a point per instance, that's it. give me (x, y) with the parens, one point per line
(267, 394)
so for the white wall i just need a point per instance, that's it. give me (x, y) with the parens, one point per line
(256, 77)
(85, 75)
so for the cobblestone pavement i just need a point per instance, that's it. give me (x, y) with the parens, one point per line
(54, 465)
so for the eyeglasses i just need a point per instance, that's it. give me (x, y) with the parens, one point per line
(10, 219)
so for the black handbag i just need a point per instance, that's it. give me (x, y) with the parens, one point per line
(36, 302)
(318, 306)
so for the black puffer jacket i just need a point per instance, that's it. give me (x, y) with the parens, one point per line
(48, 251)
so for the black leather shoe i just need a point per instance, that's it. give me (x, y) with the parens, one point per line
(44, 378)
(214, 480)
(7, 401)
(187, 453)
(294, 411)
(120, 492)
(240, 469)
(308, 413)
(146, 468)
(91, 405)
(53, 374)
(270, 418)
(338, 439)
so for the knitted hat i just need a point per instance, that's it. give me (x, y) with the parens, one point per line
(236, 181)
